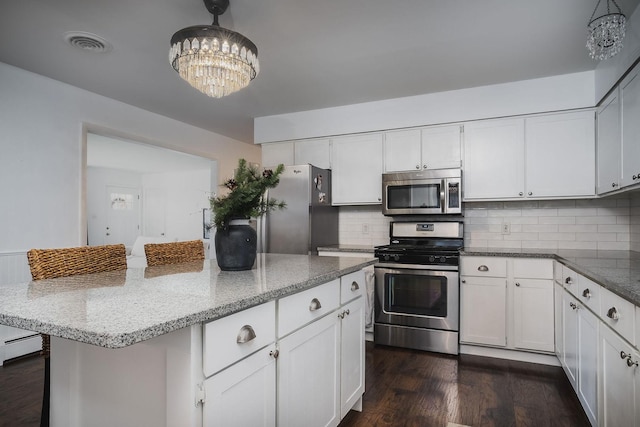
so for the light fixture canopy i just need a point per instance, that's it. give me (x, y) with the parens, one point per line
(606, 32)
(212, 59)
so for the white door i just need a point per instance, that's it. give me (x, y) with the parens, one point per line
(609, 144)
(483, 307)
(441, 147)
(630, 99)
(588, 362)
(533, 312)
(123, 215)
(570, 337)
(154, 209)
(352, 355)
(402, 151)
(357, 169)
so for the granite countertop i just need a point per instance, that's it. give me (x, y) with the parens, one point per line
(618, 271)
(120, 308)
(347, 248)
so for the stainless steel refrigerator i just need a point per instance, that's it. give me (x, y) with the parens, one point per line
(308, 221)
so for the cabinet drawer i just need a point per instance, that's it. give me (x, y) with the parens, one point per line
(618, 313)
(352, 285)
(589, 293)
(229, 339)
(533, 268)
(297, 310)
(483, 266)
(569, 279)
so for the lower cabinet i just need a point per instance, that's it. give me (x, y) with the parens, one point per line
(619, 381)
(483, 302)
(243, 394)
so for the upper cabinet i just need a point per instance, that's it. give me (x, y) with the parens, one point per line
(357, 169)
(493, 159)
(316, 152)
(275, 153)
(435, 147)
(630, 102)
(546, 156)
(609, 145)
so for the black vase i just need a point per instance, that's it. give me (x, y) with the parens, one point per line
(236, 246)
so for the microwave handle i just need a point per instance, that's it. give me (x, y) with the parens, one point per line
(443, 196)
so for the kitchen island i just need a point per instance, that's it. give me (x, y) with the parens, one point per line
(133, 347)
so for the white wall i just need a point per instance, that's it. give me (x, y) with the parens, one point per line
(43, 123)
(524, 97)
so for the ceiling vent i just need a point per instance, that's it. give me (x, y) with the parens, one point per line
(87, 41)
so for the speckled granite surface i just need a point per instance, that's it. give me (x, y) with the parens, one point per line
(121, 308)
(347, 248)
(618, 271)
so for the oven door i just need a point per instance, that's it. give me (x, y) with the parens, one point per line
(416, 296)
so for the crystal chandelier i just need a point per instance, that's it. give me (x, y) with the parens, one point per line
(212, 59)
(606, 33)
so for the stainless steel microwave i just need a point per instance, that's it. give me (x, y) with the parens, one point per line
(435, 191)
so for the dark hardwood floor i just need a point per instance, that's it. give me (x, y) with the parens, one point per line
(421, 389)
(403, 388)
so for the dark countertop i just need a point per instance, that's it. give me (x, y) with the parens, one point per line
(617, 271)
(347, 248)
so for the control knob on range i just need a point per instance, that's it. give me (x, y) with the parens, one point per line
(386, 257)
(432, 258)
(396, 257)
(443, 259)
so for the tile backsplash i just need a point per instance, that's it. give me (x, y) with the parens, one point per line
(611, 223)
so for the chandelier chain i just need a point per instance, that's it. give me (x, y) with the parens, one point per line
(608, 8)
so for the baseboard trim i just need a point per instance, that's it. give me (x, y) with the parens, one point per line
(520, 356)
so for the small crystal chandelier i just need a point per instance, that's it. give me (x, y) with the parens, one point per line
(606, 33)
(212, 59)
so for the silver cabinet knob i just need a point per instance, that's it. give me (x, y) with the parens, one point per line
(424, 167)
(274, 353)
(245, 334)
(520, 193)
(624, 355)
(573, 306)
(634, 177)
(530, 193)
(613, 314)
(568, 280)
(341, 315)
(483, 268)
(315, 305)
(354, 286)
(517, 284)
(418, 167)
(586, 293)
(631, 363)
(614, 185)
(463, 281)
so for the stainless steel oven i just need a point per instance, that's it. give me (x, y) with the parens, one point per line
(417, 287)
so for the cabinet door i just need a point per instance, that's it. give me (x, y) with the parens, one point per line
(630, 100)
(308, 375)
(494, 159)
(274, 153)
(316, 152)
(533, 311)
(357, 169)
(617, 389)
(441, 147)
(558, 291)
(609, 144)
(560, 155)
(402, 150)
(570, 337)
(483, 310)
(243, 394)
(352, 354)
(588, 362)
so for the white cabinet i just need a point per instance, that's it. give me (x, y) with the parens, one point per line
(619, 378)
(507, 303)
(357, 169)
(243, 394)
(434, 147)
(493, 159)
(309, 375)
(569, 359)
(352, 354)
(316, 152)
(609, 144)
(274, 153)
(587, 368)
(560, 155)
(546, 156)
(630, 102)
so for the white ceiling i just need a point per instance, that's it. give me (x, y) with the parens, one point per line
(313, 53)
(114, 153)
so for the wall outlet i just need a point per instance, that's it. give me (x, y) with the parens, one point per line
(506, 228)
(365, 228)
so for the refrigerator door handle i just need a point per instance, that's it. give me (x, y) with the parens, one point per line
(262, 228)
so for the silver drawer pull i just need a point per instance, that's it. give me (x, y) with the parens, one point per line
(568, 280)
(483, 268)
(612, 313)
(315, 305)
(624, 355)
(586, 293)
(354, 286)
(631, 363)
(245, 334)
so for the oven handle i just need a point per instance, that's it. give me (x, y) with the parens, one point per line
(398, 266)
